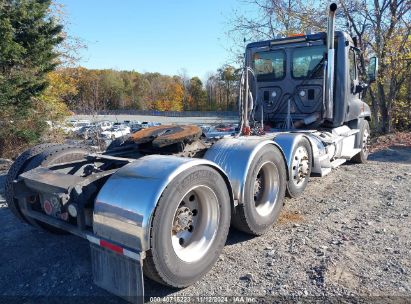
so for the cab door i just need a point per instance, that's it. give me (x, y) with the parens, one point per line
(354, 89)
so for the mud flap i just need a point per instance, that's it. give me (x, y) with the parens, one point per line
(118, 274)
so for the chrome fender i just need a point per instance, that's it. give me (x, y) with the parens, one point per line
(234, 156)
(125, 205)
(288, 141)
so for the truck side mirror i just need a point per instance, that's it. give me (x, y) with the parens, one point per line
(372, 69)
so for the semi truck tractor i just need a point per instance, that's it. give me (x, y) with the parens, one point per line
(161, 201)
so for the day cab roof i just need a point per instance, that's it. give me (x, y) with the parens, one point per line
(296, 39)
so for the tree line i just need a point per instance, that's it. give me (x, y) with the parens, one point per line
(87, 90)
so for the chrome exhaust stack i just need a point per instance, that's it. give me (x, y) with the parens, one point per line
(329, 105)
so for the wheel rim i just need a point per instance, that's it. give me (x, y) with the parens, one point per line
(195, 224)
(365, 141)
(300, 166)
(266, 188)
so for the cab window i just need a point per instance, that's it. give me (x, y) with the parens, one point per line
(307, 61)
(353, 65)
(269, 65)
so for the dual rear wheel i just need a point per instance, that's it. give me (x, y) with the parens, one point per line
(267, 183)
(264, 191)
(192, 218)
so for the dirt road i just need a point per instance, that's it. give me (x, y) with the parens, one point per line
(349, 236)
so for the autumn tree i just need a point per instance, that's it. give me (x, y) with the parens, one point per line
(130, 95)
(185, 81)
(229, 77)
(198, 95)
(172, 97)
(62, 86)
(112, 89)
(88, 98)
(222, 88)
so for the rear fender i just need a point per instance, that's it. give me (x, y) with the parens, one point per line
(125, 205)
(234, 156)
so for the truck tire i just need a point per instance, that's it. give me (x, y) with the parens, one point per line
(263, 193)
(300, 169)
(362, 157)
(189, 227)
(58, 154)
(15, 170)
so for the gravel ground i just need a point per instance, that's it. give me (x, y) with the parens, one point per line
(348, 238)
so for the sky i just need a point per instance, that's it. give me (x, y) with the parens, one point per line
(152, 36)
